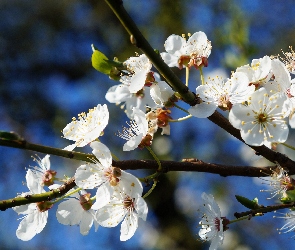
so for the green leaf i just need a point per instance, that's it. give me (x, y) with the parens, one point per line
(252, 204)
(290, 196)
(100, 62)
(11, 136)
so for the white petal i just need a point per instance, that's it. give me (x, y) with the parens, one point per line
(141, 208)
(198, 44)
(140, 119)
(86, 222)
(118, 93)
(137, 81)
(24, 209)
(240, 113)
(217, 241)
(175, 44)
(128, 226)
(45, 163)
(69, 212)
(103, 196)
(70, 147)
(102, 153)
(110, 215)
(170, 60)
(281, 73)
(133, 142)
(292, 121)
(251, 135)
(130, 184)
(203, 110)
(89, 176)
(33, 182)
(31, 225)
(279, 132)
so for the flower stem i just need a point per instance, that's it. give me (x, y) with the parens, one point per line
(239, 219)
(175, 105)
(156, 158)
(202, 76)
(288, 146)
(115, 157)
(151, 189)
(181, 119)
(159, 170)
(186, 75)
(67, 194)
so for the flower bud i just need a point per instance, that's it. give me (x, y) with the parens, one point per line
(44, 205)
(85, 201)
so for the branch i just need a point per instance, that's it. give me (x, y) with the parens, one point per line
(193, 165)
(138, 39)
(264, 151)
(264, 210)
(55, 193)
(23, 144)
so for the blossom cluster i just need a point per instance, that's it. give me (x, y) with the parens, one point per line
(260, 99)
(118, 196)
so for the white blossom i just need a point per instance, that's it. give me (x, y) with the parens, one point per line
(223, 94)
(289, 60)
(123, 206)
(280, 182)
(261, 120)
(193, 52)
(282, 83)
(137, 130)
(259, 72)
(158, 118)
(121, 94)
(88, 126)
(139, 66)
(160, 92)
(76, 210)
(35, 218)
(212, 223)
(103, 175)
(42, 172)
(290, 225)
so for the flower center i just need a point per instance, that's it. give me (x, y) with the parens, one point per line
(224, 103)
(48, 177)
(140, 94)
(128, 203)
(262, 118)
(112, 174)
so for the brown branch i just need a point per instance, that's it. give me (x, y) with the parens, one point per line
(264, 210)
(264, 151)
(47, 196)
(195, 165)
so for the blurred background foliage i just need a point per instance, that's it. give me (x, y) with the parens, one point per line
(46, 78)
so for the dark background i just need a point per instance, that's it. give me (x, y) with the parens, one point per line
(46, 78)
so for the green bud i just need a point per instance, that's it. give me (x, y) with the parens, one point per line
(252, 204)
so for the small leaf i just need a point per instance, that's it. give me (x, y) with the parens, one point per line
(290, 195)
(11, 136)
(252, 204)
(100, 62)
